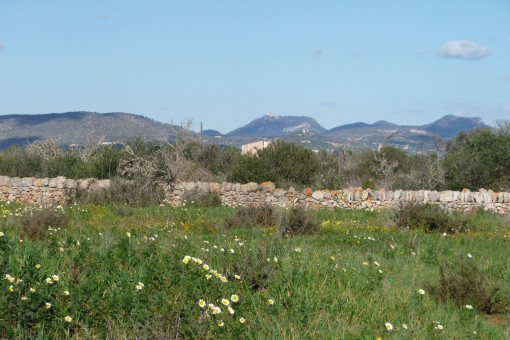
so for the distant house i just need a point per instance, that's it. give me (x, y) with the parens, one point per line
(252, 148)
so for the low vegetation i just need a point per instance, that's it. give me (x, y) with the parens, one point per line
(475, 159)
(159, 272)
(431, 218)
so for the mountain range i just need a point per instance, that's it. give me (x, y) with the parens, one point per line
(76, 127)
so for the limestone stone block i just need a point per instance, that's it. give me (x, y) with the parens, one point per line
(4, 180)
(214, 187)
(389, 196)
(38, 182)
(279, 192)
(70, 184)
(14, 182)
(27, 182)
(397, 194)
(251, 187)
(203, 186)
(60, 180)
(267, 186)
(318, 195)
(433, 196)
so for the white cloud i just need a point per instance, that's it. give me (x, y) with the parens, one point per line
(463, 49)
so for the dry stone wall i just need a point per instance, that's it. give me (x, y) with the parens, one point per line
(55, 190)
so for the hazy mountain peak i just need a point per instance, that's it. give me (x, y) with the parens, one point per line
(450, 125)
(272, 125)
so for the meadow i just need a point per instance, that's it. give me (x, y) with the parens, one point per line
(160, 272)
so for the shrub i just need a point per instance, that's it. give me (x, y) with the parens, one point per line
(17, 162)
(429, 217)
(203, 199)
(478, 159)
(281, 162)
(250, 217)
(136, 193)
(296, 222)
(34, 223)
(290, 222)
(462, 283)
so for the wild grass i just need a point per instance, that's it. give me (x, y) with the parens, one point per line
(139, 273)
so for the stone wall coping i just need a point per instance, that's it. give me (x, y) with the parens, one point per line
(47, 190)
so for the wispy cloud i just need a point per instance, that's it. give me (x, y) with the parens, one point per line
(317, 51)
(328, 104)
(463, 49)
(101, 17)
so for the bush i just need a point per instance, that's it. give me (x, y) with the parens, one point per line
(290, 222)
(281, 162)
(17, 162)
(136, 193)
(203, 199)
(250, 217)
(462, 283)
(429, 217)
(296, 222)
(478, 159)
(34, 223)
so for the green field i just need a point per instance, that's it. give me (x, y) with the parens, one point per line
(162, 272)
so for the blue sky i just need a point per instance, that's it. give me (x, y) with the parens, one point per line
(228, 62)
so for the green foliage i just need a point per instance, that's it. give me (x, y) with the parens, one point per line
(36, 222)
(17, 162)
(474, 159)
(250, 217)
(295, 222)
(137, 193)
(281, 162)
(462, 282)
(202, 199)
(478, 159)
(103, 163)
(140, 273)
(430, 218)
(289, 222)
(248, 168)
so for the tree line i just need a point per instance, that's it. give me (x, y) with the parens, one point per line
(476, 159)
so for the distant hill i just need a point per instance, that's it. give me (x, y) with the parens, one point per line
(357, 125)
(383, 123)
(450, 125)
(210, 132)
(272, 125)
(412, 138)
(76, 127)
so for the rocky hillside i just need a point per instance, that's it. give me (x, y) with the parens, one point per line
(272, 125)
(75, 127)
